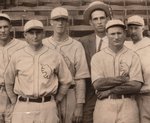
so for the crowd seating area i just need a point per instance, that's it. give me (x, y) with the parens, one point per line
(24, 10)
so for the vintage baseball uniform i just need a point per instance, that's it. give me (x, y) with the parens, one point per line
(36, 74)
(91, 43)
(74, 55)
(142, 48)
(5, 54)
(108, 64)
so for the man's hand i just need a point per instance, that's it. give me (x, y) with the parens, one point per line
(103, 94)
(59, 98)
(78, 114)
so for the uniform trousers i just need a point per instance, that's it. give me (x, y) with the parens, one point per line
(116, 111)
(90, 101)
(144, 107)
(68, 106)
(5, 113)
(33, 112)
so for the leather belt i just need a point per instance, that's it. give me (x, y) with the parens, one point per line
(115, 96)
(71, 86)
(2, 87)
(37, 100)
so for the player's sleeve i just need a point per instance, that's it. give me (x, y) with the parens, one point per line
(81, 67)
(9, 77)
(96, 68)
(81, 72)
(136, 69)
(64, 76)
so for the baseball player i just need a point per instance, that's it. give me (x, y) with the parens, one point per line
(141, 45)
(32, 78)
(7, 47)
(96, 14)
(116, 77)
(74, 55)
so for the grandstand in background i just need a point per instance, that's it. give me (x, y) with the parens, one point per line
(23, 10)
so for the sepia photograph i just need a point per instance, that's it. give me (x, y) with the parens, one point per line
(74, 61)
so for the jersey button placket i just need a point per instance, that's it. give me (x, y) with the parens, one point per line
(36, 77)
(116, 65)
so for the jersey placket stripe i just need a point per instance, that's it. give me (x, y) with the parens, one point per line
(35, 76)
(117, 65)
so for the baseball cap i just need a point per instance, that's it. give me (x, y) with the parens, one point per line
(33, 24)
(94, 6)
(3, 15)
(135, 20)
(115, 22)
(59, 12)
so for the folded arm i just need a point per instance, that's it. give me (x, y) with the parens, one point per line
(131, 87)
(126, 88)
(103, 84)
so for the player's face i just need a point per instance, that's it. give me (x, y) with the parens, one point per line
(116, 36)
(135, 32)
(4, 30)
(60, 25)
(34, 37)
(98, 21)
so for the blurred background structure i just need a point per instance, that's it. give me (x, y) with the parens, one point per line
(23, 10)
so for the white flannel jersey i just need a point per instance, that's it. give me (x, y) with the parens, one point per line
(6, 52)
(36, 73)
(108, 64)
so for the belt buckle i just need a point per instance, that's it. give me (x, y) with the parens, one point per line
(114, 96)
(71, 86)
(38, 100)
(43, 99)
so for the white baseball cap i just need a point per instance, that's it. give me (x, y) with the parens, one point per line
(136, 20)
(59, 12)
(33, 24)
(3, 15)
(115, 22)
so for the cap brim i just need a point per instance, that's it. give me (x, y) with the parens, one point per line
(135, 23)
(35, 27)
(116, 25)
(61, 16)
(6, 18)
(88, 11)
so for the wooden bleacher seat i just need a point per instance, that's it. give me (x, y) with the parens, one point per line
(41, 10)
(43, 19)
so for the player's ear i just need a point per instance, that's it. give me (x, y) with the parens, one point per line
(143, 28)
(25, 34)
(51, 22)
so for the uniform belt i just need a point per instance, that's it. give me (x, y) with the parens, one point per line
(145, 94)
(115, 96)
(2, 87)
(37, 100)
(71, 86)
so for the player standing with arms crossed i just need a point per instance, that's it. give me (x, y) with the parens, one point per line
(116, 76)
(96, 14)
